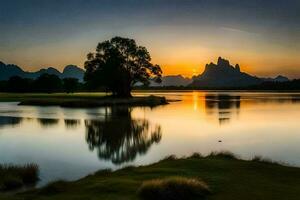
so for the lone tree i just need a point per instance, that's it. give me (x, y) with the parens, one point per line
(118, 64)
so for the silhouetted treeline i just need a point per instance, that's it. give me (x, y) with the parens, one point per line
(287, 85)
(46, 83)
(49, 83)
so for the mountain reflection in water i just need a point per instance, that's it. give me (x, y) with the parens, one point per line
(223, 105)
(9, 121)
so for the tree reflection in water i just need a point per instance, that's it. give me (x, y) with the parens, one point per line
(10, 121)
(120, 138)
(72, 123)
(44, 122)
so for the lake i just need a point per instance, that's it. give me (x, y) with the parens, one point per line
(71, 143)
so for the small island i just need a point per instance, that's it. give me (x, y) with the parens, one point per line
(79, 101)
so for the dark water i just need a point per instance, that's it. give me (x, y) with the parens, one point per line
(71, 143)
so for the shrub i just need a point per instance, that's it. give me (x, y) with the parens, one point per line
(223, 154)
(257, 159)
(265, 160)
(170, 158)
(196, 156)
(174, 188)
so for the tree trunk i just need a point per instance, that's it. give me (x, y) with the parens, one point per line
(124, 86)
(124, 91)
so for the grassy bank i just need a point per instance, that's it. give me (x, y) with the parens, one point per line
(80, 100)
(227, 177)
(14, 177)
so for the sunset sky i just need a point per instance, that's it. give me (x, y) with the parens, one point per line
(263, 36)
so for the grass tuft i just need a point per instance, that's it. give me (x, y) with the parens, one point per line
(173, 188)
(11, 183)
(14, 177)
(30, 173)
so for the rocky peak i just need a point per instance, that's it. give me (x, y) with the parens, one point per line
(206, 67)
(223, 74)
(222, 65)
(223, 62)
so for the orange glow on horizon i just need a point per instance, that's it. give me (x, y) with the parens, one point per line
(256, 66)
(193, 69)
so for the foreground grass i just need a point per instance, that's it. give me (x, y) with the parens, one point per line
(78, 100)
(14, 177)
(227, 177)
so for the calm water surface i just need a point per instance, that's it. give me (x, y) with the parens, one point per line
(71, 143)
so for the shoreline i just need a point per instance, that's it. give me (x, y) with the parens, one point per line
(227, 176)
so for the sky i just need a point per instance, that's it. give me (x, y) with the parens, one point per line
(263, 36)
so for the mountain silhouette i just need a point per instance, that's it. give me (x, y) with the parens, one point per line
(176, 80)
(223, 74)
(9, 70)
(277, 79)
(72, 71)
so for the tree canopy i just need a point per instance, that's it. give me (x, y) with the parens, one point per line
(48, 83)
(118, 64)
(70, 84)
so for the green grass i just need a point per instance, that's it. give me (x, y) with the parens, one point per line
(78, 100)
(228, 179)
(14, 177)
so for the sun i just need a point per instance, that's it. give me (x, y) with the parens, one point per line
(195, 72)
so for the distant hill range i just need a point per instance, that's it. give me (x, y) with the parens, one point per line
(177, 80)
(9, 70)
(220, 75)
